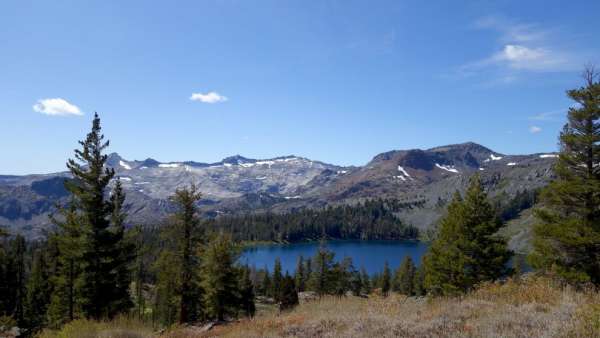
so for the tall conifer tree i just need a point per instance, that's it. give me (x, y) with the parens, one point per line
(179, 261)
(567, 238)
(467, 249)
(220, 278)
(99, 290)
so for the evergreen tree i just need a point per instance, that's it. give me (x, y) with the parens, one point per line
(567, 238)
(467, 249)
(16, 272)
(419, 281)
(356, 284)
(289, 294)
(38, 293)
(386, 280)
(276, 282)
(300, 276)
(68, 244)
(178, 282)
(124, 251)
(167, 299)
(139, 271)
(187, 220)
(219, 278)
(266, 286)
(100, 291)
(246, 293)
(5, 290)
(404, 277)
(320, 277)
(365, 281)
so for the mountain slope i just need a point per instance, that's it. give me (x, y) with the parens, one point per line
(238, 184)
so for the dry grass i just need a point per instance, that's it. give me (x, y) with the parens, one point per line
(118, 328)
(534, 307)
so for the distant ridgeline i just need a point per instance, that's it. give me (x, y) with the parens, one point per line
(369, 220)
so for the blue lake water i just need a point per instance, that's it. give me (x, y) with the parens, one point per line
(371, 255)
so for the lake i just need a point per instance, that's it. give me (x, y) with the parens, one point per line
(371, 255)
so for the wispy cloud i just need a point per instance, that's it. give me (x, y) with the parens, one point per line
(548, 116)
(211, 97)
(520, 48)
(56, 107)
(535, 129)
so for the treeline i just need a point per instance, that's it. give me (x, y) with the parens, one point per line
(93, 267)
(369, 220)
(322, 275)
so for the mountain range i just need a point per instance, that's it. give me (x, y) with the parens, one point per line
(241, 185)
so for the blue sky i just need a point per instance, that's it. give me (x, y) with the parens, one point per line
(337, 81)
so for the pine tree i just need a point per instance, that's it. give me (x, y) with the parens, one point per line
(38, 293)
(356, 285)
(419, 281)
(299, 275)
(320, 278)
(276, 282)
(219, 278)
(404, 277)
(99, 290)
(386, 282)
(179, 260)
(265, 283)
(246, 293)
(467, 249)
(365, 281)
(68, 245)
(139, 271)
(5, 290)
(289, 294)
(124, 252)
(567, 237)
(16, 280)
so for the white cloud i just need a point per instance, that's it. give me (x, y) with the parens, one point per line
(56, 107)
(520, 48)
(211, 97)
(530, 58)
(535, 129)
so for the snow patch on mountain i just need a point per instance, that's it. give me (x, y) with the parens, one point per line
(447, 168)
(548, 155)
(124, 165)
(169, 165)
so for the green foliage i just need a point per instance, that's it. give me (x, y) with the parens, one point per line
(277, 281)
(220, 278)
(178, 290)
(466, 250)
(68, 243)
(404, 277)
(567, 237)
(38, 293)
(419, 281)
(289, 294)
(246, 293)
(95, 263)
(300, 275)
(365, 282)
(373, 219)
(386, 280)
(320, 280)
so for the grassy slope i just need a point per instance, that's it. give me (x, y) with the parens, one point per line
(534, 307)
